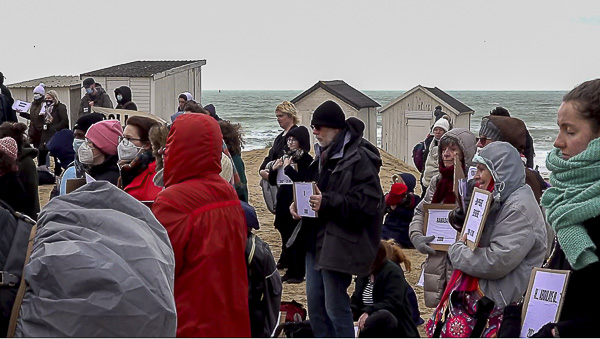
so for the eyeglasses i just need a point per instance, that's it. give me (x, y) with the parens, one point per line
(127, 140)
(291, 140)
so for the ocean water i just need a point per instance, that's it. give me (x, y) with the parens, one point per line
(255, 111)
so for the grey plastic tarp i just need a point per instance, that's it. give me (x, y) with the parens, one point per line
(101, 266)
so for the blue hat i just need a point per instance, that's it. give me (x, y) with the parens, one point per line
(250, 213)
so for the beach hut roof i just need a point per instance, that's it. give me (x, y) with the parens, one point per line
(342, 90)
(439, 95)
(50, 81)
(141, 69)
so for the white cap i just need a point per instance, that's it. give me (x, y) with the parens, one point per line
(441, 123)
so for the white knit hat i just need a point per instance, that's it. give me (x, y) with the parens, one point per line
(441, 123)
(40, 89)
(226, 168)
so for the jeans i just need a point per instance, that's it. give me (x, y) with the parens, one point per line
(329, 309)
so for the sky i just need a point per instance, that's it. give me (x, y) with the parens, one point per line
(285, 45)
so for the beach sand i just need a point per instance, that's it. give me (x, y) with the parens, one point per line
(252, 160)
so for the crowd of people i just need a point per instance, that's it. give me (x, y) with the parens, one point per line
(190, 174)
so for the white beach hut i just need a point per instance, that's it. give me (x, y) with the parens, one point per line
(353, 102)
(407, 119)
(155, 85)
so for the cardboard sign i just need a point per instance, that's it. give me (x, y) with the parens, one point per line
(73, 184)
(544, 299)
(21, 106)
(302, 193)
(123, 114)
(437, 224)
(476, 216)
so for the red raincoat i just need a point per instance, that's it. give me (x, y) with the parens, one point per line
(207, 228)
(142, 187)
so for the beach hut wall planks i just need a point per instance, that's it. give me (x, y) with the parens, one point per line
(66, 86)
(353, 102)
(407, 119)
(155, 85)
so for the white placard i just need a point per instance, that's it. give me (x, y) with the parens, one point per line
(21, 106)
(544, 300)
(476, 216)
(438, 226)
(283, 179)
(471, 172)
(302, 193)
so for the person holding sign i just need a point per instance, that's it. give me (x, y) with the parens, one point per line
(513, 239)
(291, 167)
(573, 210)
(458, 142)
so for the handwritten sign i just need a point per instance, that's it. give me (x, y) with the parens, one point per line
(123, 114)
(437, 224)
(543, 300)
(302, 193)
(476, 216)
(21, 106)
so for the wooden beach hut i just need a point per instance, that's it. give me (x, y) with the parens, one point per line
(352, 101)
(68, 88)
(407, 119)
(155, 85)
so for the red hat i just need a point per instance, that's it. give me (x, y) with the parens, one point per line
(105, 135)
(396, 195)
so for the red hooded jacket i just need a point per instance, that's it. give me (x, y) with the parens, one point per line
(206, 225)
(142, 187)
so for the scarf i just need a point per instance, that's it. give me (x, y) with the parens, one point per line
(444, 191)
(574, 198)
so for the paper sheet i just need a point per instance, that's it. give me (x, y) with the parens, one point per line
(474, 221)
(283, 179)
(421, 281)
(302, 193)
(438, 225)
(21, 106)
(543, 305)
(88, 178)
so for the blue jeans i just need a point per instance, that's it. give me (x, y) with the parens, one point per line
(329, 309)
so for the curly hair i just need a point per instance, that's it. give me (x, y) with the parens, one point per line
(233, 136)
(158, 138)
(15, 130)
(501, 111)
(395, 253)
(586, 98)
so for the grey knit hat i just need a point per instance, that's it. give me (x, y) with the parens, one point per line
(489, 130)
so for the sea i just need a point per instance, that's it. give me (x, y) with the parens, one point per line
(255, 111)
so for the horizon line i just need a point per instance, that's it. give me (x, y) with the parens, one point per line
(404, 90)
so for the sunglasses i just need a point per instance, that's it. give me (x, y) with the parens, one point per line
(317, 127)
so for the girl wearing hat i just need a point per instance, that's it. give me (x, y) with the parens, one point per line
(292, 167)
(99, 151)
(12, 191)
(400, 207)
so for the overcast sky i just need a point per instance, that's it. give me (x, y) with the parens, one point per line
(372, 45)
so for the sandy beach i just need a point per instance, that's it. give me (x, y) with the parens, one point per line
(267, 232)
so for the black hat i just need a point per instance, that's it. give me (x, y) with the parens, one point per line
(301, 134)
(88, 82)
(329, 114)
(85, 121)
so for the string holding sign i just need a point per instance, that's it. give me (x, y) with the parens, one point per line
(476, 215)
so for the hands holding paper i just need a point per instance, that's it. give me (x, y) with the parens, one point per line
(278, 163)
(294, 212)
(315, 200)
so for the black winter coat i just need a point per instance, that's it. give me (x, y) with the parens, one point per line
(345, 236)
(29, 176)
(60, 120)
(101, 99)
(126, 102)
(108, 170)
(390, 292)
(277, 150)
(397, 221)
(13, 193)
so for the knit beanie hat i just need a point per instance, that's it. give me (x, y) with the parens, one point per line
(410, 181)
(88, 82)
(396, 195)
(105, 135)
(40, 89)
(226, 168)
(489, 129)
(87, 120)
(301, 134)
(443, 124)
(512, 130)
(329, 114)
(8, 145)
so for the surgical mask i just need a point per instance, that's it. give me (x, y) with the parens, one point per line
(77, 143)
(37, 96)
(127, 150)
(119, 97)
(86, 154)
(89, 90)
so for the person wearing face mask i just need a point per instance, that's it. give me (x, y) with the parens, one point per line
(123, 95)
(99, 151)
(55, 119)
(36, 120)
(94, 96)
(138, 165)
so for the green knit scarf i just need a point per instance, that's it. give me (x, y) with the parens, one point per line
(573, 199)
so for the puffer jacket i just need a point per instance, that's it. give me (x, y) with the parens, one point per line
(431, 163)
(207, 228)
(513, 241)
(437, 269)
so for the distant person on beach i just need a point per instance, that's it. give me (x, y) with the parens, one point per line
(182, 100)
(205, 222)
(94, 96)
(123, 96)
(232, 135)
(344, 238)
(458, 142)
(431, 152)
(529, 152)
(438, 113)
(573, 210)
(212, 111)
(36, 120)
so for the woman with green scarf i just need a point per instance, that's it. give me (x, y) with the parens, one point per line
(573, 210)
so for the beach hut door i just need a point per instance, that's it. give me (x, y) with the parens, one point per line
(417, 128)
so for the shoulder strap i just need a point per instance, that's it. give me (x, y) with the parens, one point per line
(12, 325)
(251, 255)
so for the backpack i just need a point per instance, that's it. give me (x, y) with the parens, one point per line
(270, 194)
(264, 287)
(15, 229)
(418, 155)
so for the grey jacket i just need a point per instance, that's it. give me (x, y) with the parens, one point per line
(437, 269)
(513, 241)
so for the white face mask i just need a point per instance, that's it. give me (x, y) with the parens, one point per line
(37, 96)
(127, 150)
(77, 143)
(86, 154)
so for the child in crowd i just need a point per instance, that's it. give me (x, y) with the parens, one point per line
(400, 208)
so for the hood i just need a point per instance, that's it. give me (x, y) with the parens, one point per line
(28, 152)
(125, 92)
(193, 149)
(503, 160)
(302, 135)
(187, 95)
(356, 128)
(512, 130)
(466, 141)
